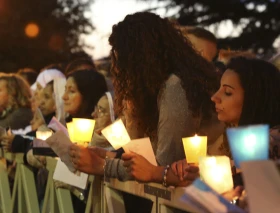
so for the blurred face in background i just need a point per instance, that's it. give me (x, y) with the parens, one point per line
(4, 95)
(47, 103)
(36, 98)
(101, 114)
(72, 97)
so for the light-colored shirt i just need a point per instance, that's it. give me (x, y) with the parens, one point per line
(175, 122)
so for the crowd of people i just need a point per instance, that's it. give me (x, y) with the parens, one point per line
(166, 82)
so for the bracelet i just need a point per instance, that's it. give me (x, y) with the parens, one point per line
(164, 176)
(104, 166)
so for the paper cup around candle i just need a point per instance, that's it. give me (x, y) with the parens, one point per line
(216, 172)
(249, 143)
(43, 135)
(116, 134)
(83, 130)
(195, 147)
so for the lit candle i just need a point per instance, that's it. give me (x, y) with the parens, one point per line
(216, 172)
(116, 134)
(249, 143)
(80, 130)
(43, 135)
(195, 147)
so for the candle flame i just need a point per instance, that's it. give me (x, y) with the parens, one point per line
(196, 140)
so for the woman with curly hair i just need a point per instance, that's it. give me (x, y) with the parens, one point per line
(15, 106)
(162, 89)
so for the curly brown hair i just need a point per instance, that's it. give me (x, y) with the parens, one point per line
(18, 90)
(146, 49)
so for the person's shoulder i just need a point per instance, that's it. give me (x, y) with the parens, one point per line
(173, 80)
(172, 91)
(23, 111)
(173, 86)
(21, 114)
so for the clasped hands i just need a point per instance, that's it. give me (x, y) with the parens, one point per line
(139, 168)
(87, 159)
(91, 160)
(182, 173)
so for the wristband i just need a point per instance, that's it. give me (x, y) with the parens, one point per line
(164, 176)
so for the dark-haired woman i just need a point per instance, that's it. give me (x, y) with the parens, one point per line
(249, 94)
(82, 91)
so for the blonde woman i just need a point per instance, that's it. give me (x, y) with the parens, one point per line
(15, 106)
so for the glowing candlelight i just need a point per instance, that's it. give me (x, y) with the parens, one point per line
(249, 143)
(80, 130)
(116, 134)
(216, 172)
(43, 135)
(195, 147)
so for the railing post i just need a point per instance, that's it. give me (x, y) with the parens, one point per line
(103, 198)
(114, 200)
(59, 200)
(24, 196)
(46, 201)
(89, 200)
(29, 189)
(5, 194)
(64, 200)
(53, 198)
(96, 194)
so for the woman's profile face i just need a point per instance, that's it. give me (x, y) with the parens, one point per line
(72, 97)
(36, 97)
(229, 98)
(4, 95)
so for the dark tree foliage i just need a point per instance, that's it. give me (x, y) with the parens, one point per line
(60, 23)
(260, 20)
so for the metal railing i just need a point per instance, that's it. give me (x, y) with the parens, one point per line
(104, 195)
